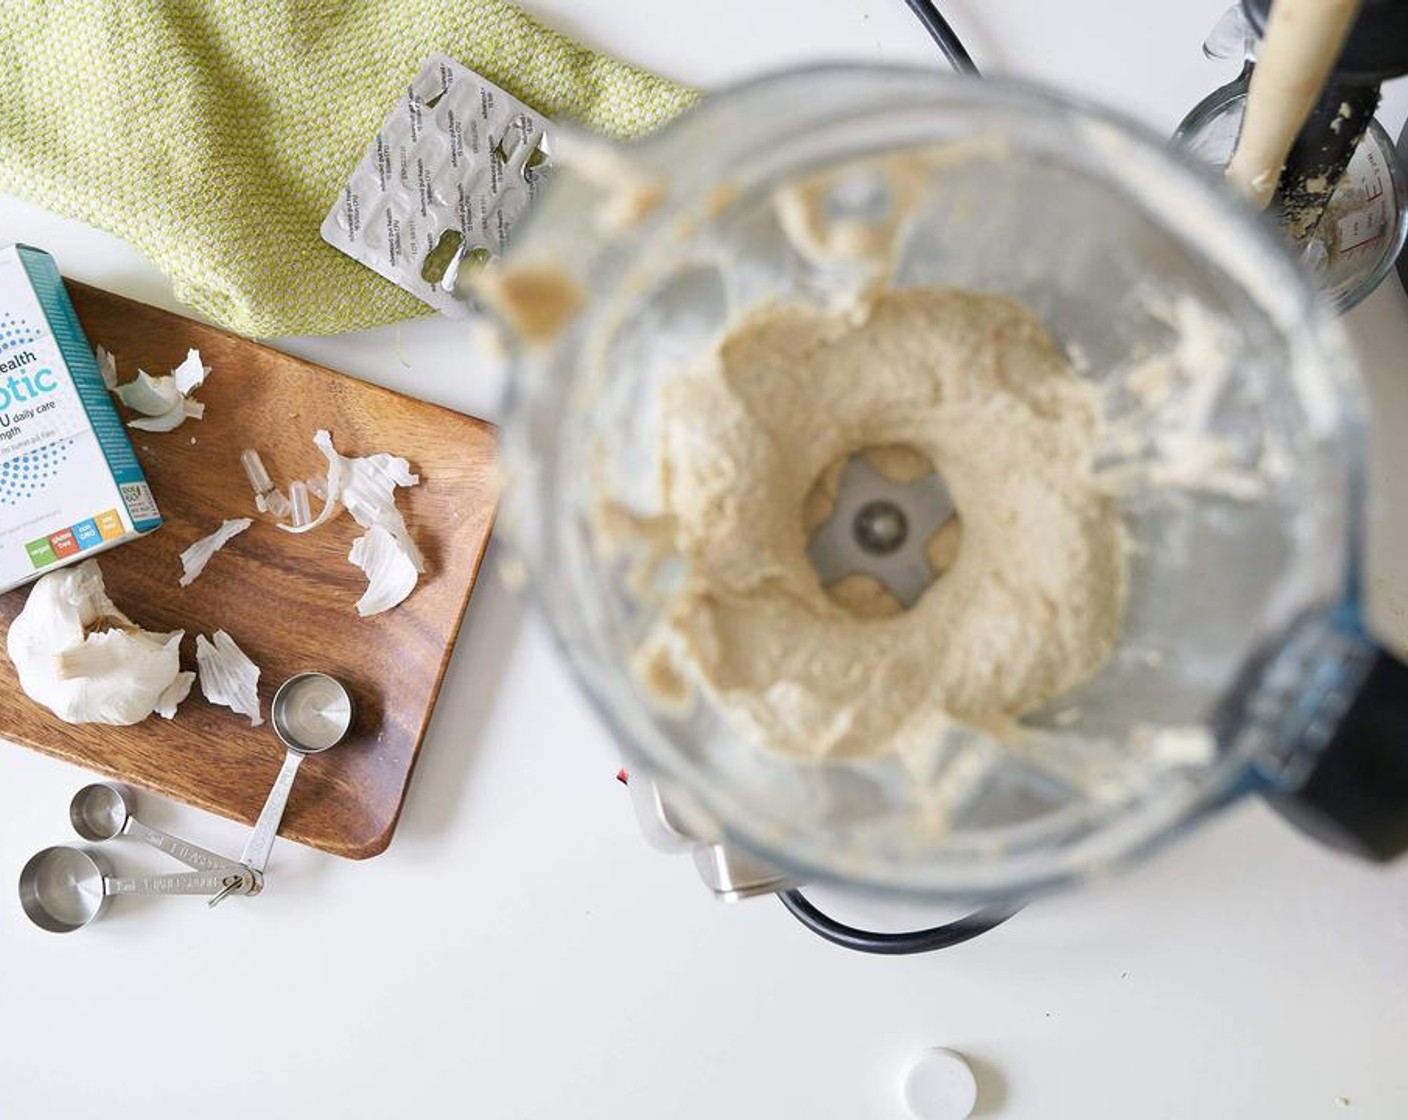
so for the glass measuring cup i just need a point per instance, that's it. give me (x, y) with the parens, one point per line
(1366, 221)
(1242, 665)
(63, 888)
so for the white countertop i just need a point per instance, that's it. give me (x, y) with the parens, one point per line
(520, 952)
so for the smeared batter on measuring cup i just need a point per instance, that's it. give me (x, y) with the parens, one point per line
(1029, 596)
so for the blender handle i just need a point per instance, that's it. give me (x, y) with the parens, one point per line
(1355, 798)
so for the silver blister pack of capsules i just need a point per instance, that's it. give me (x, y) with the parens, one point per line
(442, 184)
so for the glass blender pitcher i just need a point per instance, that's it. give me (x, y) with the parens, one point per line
(1242, 666)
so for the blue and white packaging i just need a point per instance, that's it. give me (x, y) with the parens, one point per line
(70, 483)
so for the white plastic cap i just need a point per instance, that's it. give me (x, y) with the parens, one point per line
(940, 1086)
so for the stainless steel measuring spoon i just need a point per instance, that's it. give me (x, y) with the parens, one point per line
(63, 889)
(103, 811)
(311, 713)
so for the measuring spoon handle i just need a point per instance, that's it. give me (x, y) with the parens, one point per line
(190, 854)
(188, 882)
(261, 841)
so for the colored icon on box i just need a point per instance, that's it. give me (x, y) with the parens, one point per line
(41, 552)
(86, 533)
(63, 543)
(109, 524)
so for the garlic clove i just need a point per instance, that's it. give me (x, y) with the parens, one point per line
(83, 674)
(107, 651)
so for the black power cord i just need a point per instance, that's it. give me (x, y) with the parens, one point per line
(895, 944)
(944, 36)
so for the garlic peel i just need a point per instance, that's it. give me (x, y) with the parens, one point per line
(369, 493)
(169, 421)
(195, 558)
(190, 374)
(114, 676)
(107, 366)
(332, 487)
(228, 676)
(151, 396)
(164, 402)
(366, 487)
(391, 573)
(176, 691)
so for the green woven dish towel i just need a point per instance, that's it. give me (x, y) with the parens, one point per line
(215, 135)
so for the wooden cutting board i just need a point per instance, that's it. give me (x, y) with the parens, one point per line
(288, 600)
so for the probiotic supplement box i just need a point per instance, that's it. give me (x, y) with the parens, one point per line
(70, 484)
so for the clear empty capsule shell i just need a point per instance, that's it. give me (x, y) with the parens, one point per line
(268, 498)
